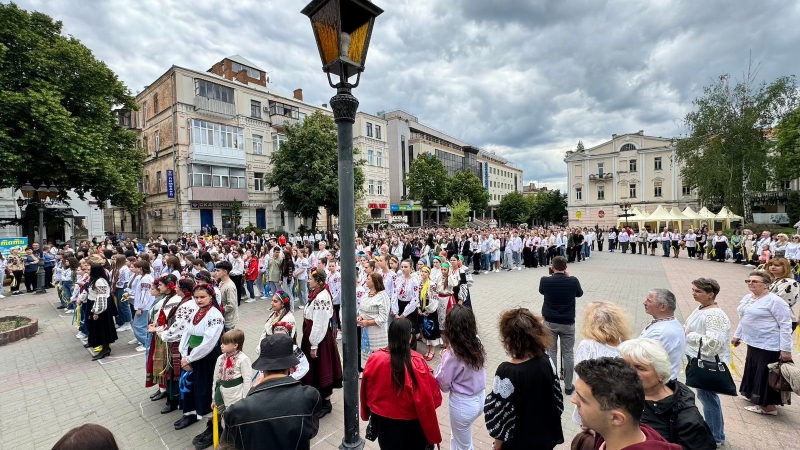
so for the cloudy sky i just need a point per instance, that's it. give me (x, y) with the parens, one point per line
(525, 78)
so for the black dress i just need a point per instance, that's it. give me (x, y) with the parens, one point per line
(101, 331)
(525, 405)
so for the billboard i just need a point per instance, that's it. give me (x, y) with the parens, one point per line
(6, 244)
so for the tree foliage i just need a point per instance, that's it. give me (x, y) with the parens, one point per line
(465, 185)
(56, 119)
(427, 181)
(726, 154)
(305, 169)
(513, 209)
(793, 207)
(787, 144)
(547, 207)
(459, 213)
(236, 215)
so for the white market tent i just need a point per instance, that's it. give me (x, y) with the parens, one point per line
(727, 216)
(708, 217)
(679, 216)
(693, 216)
(661, 215)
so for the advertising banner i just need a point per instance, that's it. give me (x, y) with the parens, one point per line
(6, 244)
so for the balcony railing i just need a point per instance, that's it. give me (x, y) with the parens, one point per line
(605, 176)
(214, 107)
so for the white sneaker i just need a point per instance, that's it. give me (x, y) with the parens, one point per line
(264, 297)
(250, 300)
(2, 296)
(80, 335)
(496, 270)
(140, 348)
(124, 327)
(133, 341)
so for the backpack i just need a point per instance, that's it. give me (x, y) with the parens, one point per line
(416, 252)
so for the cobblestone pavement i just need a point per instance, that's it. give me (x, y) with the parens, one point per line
(48, 383)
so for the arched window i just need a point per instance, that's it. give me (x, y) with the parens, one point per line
(627, 147)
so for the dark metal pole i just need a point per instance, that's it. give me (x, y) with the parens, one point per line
(40, 274)
(344, 107)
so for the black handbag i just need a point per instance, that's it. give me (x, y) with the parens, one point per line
(712, 376)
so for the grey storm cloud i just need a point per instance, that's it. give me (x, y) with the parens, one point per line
(526, 79)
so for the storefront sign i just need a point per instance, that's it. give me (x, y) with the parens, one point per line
(6, 244)
(406, 208)
(377, 205)
(444, 209)
(220, 205)
(578, 215)
(394, 207)
(170, 183)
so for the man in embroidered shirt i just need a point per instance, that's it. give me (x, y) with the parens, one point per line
(664, 328)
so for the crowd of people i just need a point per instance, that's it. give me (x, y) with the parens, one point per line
(181, 300)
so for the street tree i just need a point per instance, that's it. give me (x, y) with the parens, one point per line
(548, 207)
(726, 154)
(513, 209)
(787, 145)
(305, 169)
(236, 215)
(465, 185)
(459, 213)
(56, 120)
(427, 181)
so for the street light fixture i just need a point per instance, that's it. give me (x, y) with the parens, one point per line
(625, 207)
(343, 29)
(44, 196)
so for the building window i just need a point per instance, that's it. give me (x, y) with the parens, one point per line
(657, 188)
(371, 187)
(601, 192)
(258, 145)
(217, 135)
(258, 181)
(213, 91)
(255, 109)
(379, 188)
(277, 140)
(370, 155)
(686, 190)
(220, 177)
(631, 191)
(377, 131)
(627, 147)
(155, 104)
(237, 179)
(144, 112)
(784, 185)
(600, 170)
(658, 163)
(147, 184)
(379, 161)
(369, 129)
(158, 182)
(158, 141)
(251, 72)
(578, 193)
(632, 165)
(201, 175)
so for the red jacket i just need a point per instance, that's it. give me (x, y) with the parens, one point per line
(252, 270)
(652, 441)
(379, 395)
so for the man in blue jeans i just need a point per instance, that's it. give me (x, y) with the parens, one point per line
(666, 240)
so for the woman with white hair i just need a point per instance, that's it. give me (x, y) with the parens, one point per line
(669, 405)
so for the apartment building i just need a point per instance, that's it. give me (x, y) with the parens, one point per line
(369, 137)
(408, 138)
(630, 168)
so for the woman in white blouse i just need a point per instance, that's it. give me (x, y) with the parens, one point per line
(765, 325)
(690, 239)
(793, 249)
(605, 326)
(783, 284)
(373, 317)
(708, 328)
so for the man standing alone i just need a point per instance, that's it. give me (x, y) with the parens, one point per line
(560, 292)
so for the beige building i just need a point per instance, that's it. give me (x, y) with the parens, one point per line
(630, 168)
(208, 137)
(369, 137)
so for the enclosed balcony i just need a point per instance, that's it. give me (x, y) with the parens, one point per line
(281, 114)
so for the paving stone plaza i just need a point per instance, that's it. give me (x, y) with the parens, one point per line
(48, 383)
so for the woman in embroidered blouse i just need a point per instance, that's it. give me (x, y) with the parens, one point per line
(325, 367)
(783, 284)
(280, 312)
(765, 325)
(373, 317)
(708, 328)
(462, 373)
(428, 309)
(523, 411)
(99, 321)
(199, 352)
(177, 320)
(157, 359)
(605, 326)
(407, 295)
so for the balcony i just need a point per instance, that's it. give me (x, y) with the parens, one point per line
(281, 114)
(214, 108)
(604, 176)
(282, 121)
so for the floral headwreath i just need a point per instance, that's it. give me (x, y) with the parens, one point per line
(204, 277)
(284, 297)
(170, 281)
(285, 325)
(318, 276)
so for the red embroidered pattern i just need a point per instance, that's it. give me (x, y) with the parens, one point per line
(200, 314)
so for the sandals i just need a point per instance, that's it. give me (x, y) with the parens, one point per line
(758, 410)
(428, 356)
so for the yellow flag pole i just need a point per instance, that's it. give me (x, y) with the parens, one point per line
(216, 428)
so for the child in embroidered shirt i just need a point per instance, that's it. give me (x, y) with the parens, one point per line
(233, 372)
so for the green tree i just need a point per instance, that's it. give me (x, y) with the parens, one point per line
(549, 207)
(787, 144)
(305, 168)
(427, 181)
(793, 207)
(513, 209)
(236, 215)
(726, 155)
(56, 119)
(362, 216)
(465, 185)
(459, 213)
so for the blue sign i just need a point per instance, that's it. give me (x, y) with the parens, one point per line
(170, 183)
(394, 207)
(6, 244)
(486, 175)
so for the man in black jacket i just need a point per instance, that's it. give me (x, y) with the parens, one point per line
(560, 292)
(278, 412)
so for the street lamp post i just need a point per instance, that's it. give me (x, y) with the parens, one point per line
(42, 195)
(342, 29)
(625, 207)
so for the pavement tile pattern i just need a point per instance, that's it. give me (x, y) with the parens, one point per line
(49, 385)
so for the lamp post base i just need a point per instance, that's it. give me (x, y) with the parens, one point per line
(358, 445)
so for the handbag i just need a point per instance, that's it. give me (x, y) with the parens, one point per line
(712, 376)
(777, 381)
